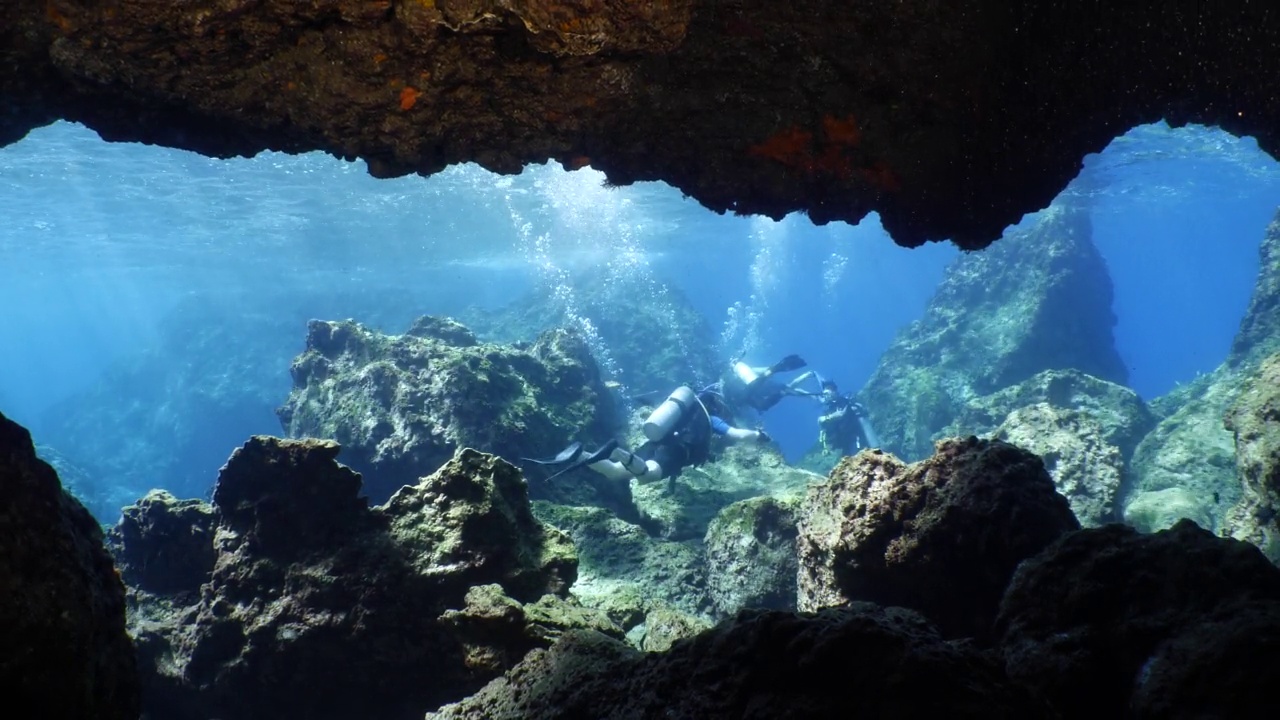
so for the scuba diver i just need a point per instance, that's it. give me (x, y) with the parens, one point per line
(678, 432)
(755, 388)
(844, 426)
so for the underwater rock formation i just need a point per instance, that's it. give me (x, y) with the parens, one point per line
(941, 536)
(1186, 467)
(750, 551)
(949, 120)
(164, 546)
(1254, 420)
(1038, 300)
(65, 652)
(655, 341)
(1086, 469)
(102, 499)
(1107, 619)
(401, 405)
(318, 606)
(879, 662)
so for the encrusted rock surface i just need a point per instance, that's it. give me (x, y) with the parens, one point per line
(1038, 300)
(750, 551)
(164, 546)
(65, 652)
(318, 606)
(949, 120)
(941, 536)
(1107, 615)
(865, 661)
(401, 405)
(1254, 420)
(1086, 469)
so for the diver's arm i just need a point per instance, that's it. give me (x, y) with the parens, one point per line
(734, 433)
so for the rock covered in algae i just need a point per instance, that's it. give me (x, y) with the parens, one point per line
(1254, 420)
(65, 652)
(1039, 299)
(401, 405)
(317, 605)
(1085, 468)
(942, 536)
(750, 550)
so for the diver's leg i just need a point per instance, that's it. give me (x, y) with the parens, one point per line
(611, 470)
(623, 464)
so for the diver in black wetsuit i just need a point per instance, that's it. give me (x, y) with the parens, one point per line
(843, 426)
(679, 433)
(755, 389)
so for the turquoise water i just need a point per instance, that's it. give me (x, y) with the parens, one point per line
(102, 243)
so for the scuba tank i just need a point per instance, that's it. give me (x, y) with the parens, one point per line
(667, 416)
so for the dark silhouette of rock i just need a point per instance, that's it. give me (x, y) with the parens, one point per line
(941, 536)
(862, 661)
(1255, 422)
(1039, 300)
(402, 405)
(64, 652)
(1102, 613)
(318, 606)
(950, 120)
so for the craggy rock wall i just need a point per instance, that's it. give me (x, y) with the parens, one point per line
(949, 119)
(1039, 300)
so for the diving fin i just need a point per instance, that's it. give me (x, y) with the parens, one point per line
(584, 460)
(567, 455)
(786, 364)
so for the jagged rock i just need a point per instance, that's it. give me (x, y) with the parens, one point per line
(949, 120)
(65, 652)
(1123, 416)
(318, 606)
(1191, 448)
(624, 570)
(402, 405)
(1222, 667)
(164, 546)
(1255, 422)
(941, 536)
(750, 551)
(1039, 299)
(1085, 622)
(498, 631)
(875, 662)
(1085, 468)
(651, 337)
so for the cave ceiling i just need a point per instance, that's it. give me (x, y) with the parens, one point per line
(950, 119)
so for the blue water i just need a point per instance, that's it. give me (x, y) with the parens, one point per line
(101, 241)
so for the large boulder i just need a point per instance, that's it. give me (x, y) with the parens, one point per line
(1039, 299)
(65, 652)
(1106, 621)
(862, 661)
(750, 551)
(316, 605)
(1255, 422)
(942, 536)
(1086, 469)
(402, 405)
